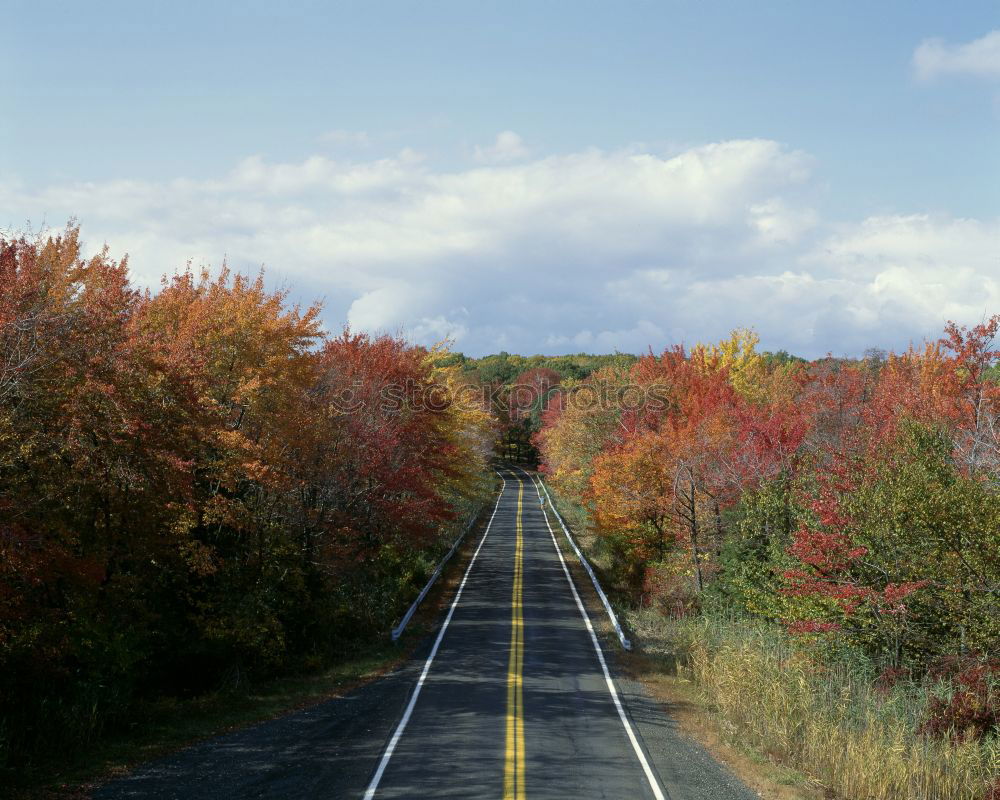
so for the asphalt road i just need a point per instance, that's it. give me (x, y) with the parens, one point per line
(510, 699)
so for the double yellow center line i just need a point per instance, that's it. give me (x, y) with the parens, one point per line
(513, 776)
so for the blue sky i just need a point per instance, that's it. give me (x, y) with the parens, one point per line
(534, 176)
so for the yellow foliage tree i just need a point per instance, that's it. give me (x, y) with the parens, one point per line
(738, 355)
(465, 423)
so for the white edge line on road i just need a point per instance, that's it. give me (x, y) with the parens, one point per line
(653, 783)
(370, 792)
(586, 565)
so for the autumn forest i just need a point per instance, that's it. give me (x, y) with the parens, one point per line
(202, 488)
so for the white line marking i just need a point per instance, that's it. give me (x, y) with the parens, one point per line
(586, 565)
(653, 784)
(370, 793)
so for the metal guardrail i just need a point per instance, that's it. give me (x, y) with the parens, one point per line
(586, 565)
(398, 630)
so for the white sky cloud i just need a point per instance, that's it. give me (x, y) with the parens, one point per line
(507, 147)
(594, 250)
(980, 58)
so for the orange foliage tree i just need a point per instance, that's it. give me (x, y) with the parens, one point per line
(852, 497)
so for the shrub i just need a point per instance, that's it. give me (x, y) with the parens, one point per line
(972, 706)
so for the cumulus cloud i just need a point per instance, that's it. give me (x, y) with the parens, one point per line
(594, 250)
(979, 58)
(777, 223)
(507, 147)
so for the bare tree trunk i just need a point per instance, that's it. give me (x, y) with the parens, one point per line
(692, 505)
(718, 525)
(687, 508)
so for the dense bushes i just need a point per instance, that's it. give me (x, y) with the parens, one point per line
(199, 487)
(972, 706)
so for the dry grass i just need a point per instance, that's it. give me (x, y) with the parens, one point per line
(685, 703)
(826, 721)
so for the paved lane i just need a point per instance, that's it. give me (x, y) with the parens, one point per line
(516, 702)
(508, 700)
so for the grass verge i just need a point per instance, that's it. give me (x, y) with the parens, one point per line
(694, 714)
(826, 720)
